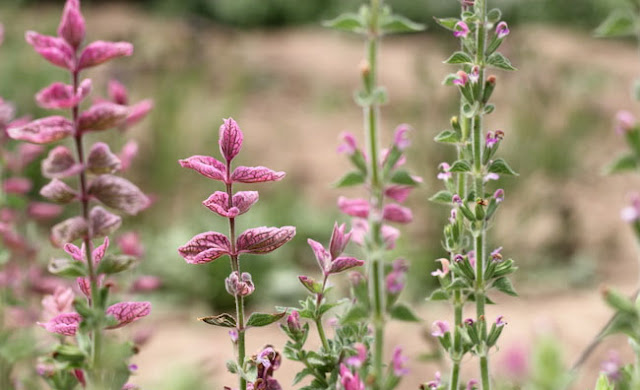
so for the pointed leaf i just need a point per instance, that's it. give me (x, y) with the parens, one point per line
(101, 160)
(113, 264)
(504, 285)
(65, 324)
(448, 23)
(205, 247)
(43, 131)
(100, 51)
(499, 61)
(350, 22)
(255, 175)
(53, 49)
(72, 26)
(206, 166)
(102, 116)
(442, 197)
(127, 312)
(396, 24)
(448, 137)
(264, 239)
(66, 267)
(242, 201)
(224, 320)
(350, 179)
(404, 178)
(623, 163)
(344, 263)
(60, 163)
(118, 193)
(264, 319)
(438, 295)
(103, 223)
(501, 167)
(68, 231)
(618, 24)
(62, 96)
(402, 312)
(459, 57)
(460, 166)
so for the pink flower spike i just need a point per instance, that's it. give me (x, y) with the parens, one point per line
(43, 131)
(349, 145)
(344, 263)
(396, 213)
(401, 139)
(60, 163)
(440, 328)
(399, 360)
(339, 240)
(461, 30)
(502, 30)
(102, 116)
(118, 93)
(17, 185)
(445, 268)
(127, 154)
(139, 111)
(65, 324)
(127, 312)
(100, 51)
(322, 255)
(357, 360)
(354, 207)
(625, 122)
(205, 247)
(231, 138)
(255, 175)
(53, 49)
(206, 166)
(264, 239)
(72, 26)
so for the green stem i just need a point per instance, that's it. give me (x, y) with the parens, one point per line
(323, 337)
(375, 242)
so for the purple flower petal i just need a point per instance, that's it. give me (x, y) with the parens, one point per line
(264, 239)
(127, 312)
(206, 166)
(397, 213)
(100, 51)
(339, 240)
(231, 138)
(205, 247)
(344, 263)
(255, 175)
(72, 25)
(43, 131)
(60, 163)
(322, 255)
(440, 328)
(398, 193)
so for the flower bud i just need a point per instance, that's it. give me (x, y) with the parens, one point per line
(239, 285)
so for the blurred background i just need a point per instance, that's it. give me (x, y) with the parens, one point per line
(289, 84)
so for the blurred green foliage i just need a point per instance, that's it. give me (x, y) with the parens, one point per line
(254, 13)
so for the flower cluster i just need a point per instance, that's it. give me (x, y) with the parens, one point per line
(97, 182)
(470, 270)
(209, 246)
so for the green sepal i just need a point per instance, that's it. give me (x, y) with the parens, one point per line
(365, 99)
(69, 353)
(223, 320)
(232, 366)
(264, 319)
(499, 61)
(619, 302)
(494, 16)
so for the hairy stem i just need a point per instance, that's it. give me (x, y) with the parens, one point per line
(235, 266)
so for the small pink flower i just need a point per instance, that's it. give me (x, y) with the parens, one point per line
(444, 175)
(461, 78)
(349, 380)
(474, 76)
(514, 361)
(62, 96)
(399, 360)
(434, 384)
(43, 131)
(625, 121)
(130, 244)
(445, 268)
(293, 322)
(354, 207)
(138, 112)
(496, 254)
(349, 145)
(357, 360)
(397, 213)
(400, 138)
(440, 328)
(461, 30)
(473, 384)
(127, 154)
(339, 240)
(490, 176)
(499, 195)
(118, 92)
(233, 335)
(146, 283)
(612, 366)
(502, 30)
(53, 49)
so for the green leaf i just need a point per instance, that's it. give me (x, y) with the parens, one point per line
(618, 24)
(67, 268)
(448, 23)
(350, 22)
(350, 179)
(403, 177)
(499, 61)
(301, 375)
(459, 57)
(460, 166)
(112, 264)
(70, 354)
(603, 383)
(504, 285)
(325, 307)
(264, 319)
(223, 320)
(232, 366)
(447, 137)
(355, 313)
(402, 312)
(442, 197)
(501, 167)
(624, 163)
(438, 295)
(396, 24)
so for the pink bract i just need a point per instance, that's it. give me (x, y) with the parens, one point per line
(264, 239)
(230, 139)
(205, 247)
(43, 131)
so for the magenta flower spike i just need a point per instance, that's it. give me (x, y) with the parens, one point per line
(209, 246)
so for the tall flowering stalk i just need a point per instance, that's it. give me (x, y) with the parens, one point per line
(209, 246)
(471, 270)
(376, 169)
(92, 361)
